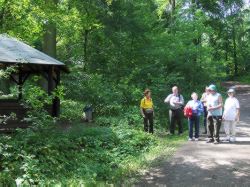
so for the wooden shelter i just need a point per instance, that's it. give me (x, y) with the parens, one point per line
(28, 61)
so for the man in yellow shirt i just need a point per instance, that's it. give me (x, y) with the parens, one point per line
(147, 111)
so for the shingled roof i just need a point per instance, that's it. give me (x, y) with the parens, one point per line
(13, 51)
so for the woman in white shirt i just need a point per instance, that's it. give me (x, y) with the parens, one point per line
(231, 115)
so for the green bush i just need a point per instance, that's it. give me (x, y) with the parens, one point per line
(71, 110)
(90, 154)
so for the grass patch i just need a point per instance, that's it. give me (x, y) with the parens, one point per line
(81, 155)
(166, 146)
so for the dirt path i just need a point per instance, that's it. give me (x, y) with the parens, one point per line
(202, 164)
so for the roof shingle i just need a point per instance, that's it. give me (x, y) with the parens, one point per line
(15, 51)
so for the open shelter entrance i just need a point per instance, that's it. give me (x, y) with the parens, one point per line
(28, 61)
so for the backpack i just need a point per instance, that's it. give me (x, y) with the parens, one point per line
(188, 112)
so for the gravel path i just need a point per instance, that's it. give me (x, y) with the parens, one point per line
(202, 164)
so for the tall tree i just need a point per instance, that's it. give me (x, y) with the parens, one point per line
(49, 40)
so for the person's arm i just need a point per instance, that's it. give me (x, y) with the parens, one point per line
(142, 113)
(201, 109)
(223, 115)
(237, 114)
(224, 111)
(203, 100)
(141, 108)
(167, 100)
(181, 102)
(237, 111)
(153, 108)
(220, 103)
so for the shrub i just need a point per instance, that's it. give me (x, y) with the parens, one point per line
(71, 110)
(90, 154)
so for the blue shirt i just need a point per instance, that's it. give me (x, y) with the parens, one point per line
(197, 107)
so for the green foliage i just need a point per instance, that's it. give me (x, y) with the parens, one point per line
(5, 74)
(36, 98)
(71, 111)
(115, 49)
(89, 154)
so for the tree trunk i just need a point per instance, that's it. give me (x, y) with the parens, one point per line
(173, 4)
(196, 41)
(235, 60)
(49, 47)
(2, 12)
(85, 46)
(226, 56)
(49, 39)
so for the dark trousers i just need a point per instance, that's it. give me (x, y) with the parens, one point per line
(194, 122)
(205, 119)
(175, 116)
(148, 122)
(213, 125)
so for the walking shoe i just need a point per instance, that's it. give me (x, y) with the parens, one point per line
(216, 142)
(210, 140)
(232, 139)
(196, 139)
(190, 139)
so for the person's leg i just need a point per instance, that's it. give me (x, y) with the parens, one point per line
(205, 120)
(179, 121)
(190, 127)
(172, 121)
(226, 128)
(169, 121)
(210, 127)
(197, 126)
(217, 125)
(151, 123)
(145, 120)
(233, 130)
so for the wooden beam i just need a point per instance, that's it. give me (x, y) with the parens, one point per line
(20, 84)
(25, 77)
(56, 100)
(45, 75)
(13, 78)
(50, 80)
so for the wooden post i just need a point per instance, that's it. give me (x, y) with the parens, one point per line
(56, 100)
(20, 84)
(50, 80)
(50, 87)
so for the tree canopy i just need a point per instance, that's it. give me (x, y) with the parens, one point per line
(117, 48)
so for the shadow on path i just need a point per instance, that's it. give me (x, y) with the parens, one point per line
(202, 164)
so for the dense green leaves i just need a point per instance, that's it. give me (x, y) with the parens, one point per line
(90, 154)
(115, 49)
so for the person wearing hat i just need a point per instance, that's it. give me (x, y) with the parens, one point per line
(231, 115)
(214, 108)
(147, 111)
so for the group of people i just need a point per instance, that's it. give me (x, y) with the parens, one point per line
(210, 106)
